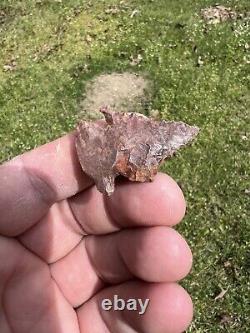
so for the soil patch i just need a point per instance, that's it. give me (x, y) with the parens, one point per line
(124, 92)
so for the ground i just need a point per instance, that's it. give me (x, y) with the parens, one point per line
(122, 92)
(198, 72)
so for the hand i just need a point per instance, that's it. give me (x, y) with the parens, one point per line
(64, 247)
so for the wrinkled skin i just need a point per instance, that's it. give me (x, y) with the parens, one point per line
(64, 247)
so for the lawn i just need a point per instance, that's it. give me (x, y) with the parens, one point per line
(200, 74)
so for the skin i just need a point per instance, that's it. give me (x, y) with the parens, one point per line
(64, 247)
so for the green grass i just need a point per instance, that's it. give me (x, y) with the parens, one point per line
(39, 100)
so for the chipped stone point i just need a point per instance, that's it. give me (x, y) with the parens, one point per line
(128, 144)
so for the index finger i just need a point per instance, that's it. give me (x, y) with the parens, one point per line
(30, 183)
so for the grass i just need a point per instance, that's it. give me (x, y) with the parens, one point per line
(50, 49)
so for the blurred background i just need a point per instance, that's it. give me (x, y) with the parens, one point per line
(186, 60)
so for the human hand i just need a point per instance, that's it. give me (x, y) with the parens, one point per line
(64, 247)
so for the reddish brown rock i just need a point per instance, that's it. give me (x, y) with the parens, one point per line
(127, 144)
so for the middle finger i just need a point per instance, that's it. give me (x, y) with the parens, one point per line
(89, 212)
(157, 254)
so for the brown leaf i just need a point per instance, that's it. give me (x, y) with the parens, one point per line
(134, 12)
(217, 14)
(221, 294)
(127, 144)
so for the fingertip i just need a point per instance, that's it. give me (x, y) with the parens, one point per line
(177, 307)
(170, 309)
(160, 202)
(171, 194)
(158, 254)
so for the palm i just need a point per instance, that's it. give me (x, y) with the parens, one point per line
(64, 258)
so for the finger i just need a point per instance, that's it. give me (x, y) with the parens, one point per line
(169, 310)
(32, 182)
(132, 205)
(156, 254)
(30, 299)
(55, 235)
(160, 202)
